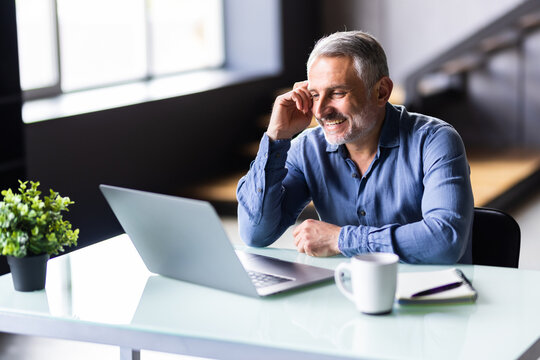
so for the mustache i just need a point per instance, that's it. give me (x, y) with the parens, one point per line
(331, 117)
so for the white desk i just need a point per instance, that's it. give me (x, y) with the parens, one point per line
(104, 294)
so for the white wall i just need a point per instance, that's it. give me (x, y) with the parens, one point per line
(413, 31)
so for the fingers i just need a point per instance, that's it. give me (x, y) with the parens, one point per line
(302, 238)
(299, 229)
(291, 113)
(317, 238)
(302, 246)
(295, 234)
(300, 84)
(302, 98)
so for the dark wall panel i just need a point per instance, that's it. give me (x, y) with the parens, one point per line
(301, 28)
(11, 143)
(9, 59)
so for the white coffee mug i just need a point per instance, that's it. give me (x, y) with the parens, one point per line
(373, 281)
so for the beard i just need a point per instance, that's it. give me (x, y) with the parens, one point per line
(360, 125)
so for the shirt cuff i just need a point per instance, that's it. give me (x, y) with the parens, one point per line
(274, 152)
(353, 240)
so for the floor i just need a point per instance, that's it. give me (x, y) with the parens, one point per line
(13, 347)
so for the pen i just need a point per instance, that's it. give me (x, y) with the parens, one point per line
(438, 289)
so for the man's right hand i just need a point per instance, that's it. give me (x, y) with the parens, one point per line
(291, 113)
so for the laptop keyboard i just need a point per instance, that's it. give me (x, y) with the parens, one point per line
(263, 280)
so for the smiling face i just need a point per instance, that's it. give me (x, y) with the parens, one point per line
(341, 103)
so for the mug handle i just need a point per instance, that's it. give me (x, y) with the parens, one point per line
(341, 269)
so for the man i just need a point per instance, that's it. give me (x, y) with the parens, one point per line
(381, 179)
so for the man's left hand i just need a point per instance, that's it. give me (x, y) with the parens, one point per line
(317, 238)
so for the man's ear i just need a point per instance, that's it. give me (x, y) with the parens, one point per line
(383, 90)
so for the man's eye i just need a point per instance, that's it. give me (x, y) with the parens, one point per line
(314, 96)
(338, 94)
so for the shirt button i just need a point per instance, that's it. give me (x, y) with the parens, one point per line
(355, 175)
(362, 212)
(259, 190)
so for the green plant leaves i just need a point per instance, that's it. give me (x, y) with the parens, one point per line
(29, 225)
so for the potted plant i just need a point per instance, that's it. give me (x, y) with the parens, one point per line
(31, 230)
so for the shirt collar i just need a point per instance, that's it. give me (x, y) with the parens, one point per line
(389, 132)
(331, 147)
(390, 129)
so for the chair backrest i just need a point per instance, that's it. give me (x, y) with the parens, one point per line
(496, 238)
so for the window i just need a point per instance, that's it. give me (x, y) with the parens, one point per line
(37, 44)
(68, 45)
(101, 42)
(186, 43)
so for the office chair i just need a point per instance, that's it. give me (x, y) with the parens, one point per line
(496, 238)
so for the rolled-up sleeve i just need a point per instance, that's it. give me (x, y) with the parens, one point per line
(266, 208)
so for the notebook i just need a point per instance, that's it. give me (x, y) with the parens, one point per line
(184, 239)
(431, 287)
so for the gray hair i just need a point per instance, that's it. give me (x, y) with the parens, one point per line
(368, 55)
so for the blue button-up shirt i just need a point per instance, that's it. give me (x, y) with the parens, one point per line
(415, 199)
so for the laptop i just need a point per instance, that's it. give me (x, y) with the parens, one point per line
(184, 239)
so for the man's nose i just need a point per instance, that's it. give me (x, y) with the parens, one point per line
(320, 107)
